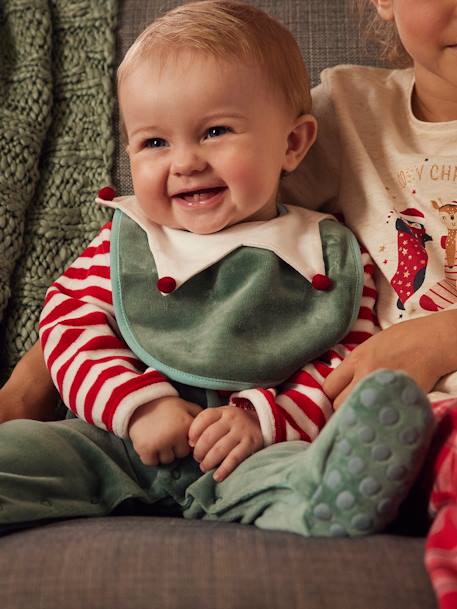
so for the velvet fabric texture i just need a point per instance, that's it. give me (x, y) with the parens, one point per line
(249, 320)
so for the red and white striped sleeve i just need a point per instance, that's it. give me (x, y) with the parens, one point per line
(97, 375)
(299, 409)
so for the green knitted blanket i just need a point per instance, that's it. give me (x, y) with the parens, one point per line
(56, 149)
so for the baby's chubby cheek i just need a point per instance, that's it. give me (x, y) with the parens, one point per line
(146, 181)
(243, 178)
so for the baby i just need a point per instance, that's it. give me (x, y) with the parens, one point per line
(194, 330)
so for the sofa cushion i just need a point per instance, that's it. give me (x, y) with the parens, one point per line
(170, 563)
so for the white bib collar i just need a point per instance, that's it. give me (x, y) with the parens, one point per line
(293, 236)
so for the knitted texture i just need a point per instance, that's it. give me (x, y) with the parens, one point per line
(56, 148)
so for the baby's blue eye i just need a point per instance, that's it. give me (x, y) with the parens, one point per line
(217, 131)
(155, 142)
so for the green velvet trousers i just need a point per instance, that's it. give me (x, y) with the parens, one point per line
(350, 481)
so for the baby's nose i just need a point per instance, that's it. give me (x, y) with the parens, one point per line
(187, 160)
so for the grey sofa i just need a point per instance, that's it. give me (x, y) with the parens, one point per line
(147, 562)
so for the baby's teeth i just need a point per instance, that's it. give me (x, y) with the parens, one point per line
(196, 198)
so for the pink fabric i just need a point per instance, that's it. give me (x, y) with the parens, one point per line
(441, 476)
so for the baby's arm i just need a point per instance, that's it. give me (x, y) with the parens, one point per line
(425, 348)
(29, 393)
(297, 412)
(98, 377)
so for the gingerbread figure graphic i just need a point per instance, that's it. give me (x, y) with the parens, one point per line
(444, 293)
(448, 215)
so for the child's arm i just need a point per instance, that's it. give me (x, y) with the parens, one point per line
(425, 348)
(298, 412)
(98, 377)
(29, 393)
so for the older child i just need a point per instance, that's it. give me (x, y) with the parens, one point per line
(386, 157)
(396, 189)
(205, 293)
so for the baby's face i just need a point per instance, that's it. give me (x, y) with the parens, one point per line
(207, 141)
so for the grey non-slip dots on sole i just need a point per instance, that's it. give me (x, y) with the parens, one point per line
(382, 433)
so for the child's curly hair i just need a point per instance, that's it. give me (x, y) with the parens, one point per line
(383, 33)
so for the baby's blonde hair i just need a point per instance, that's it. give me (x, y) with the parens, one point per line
(383, 33)
(228, 30)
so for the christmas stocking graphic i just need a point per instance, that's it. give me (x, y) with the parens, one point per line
(412, 255)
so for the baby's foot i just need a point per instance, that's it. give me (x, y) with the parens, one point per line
(380, 438)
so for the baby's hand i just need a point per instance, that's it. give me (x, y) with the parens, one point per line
(158, 430)
(224, 437)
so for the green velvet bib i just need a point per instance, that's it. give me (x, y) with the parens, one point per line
(250, 320)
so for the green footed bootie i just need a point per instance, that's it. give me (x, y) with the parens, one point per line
(350, 481)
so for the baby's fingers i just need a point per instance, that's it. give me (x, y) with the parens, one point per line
(217, 452)
(214, 435)
(148, 457)
(166, 456)
(236, 456)
(201, 422)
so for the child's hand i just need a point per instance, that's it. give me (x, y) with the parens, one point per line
(29, 393)
(20, 403)
(158, 430)
(224, 437)
(418, 347)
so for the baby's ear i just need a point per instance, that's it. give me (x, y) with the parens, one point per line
(300, 139)
(385, 9)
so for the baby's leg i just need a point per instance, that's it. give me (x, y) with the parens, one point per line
(29, 393)
(69, 469)
(350, 481)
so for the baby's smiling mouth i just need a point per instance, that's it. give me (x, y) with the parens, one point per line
(199, 195)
